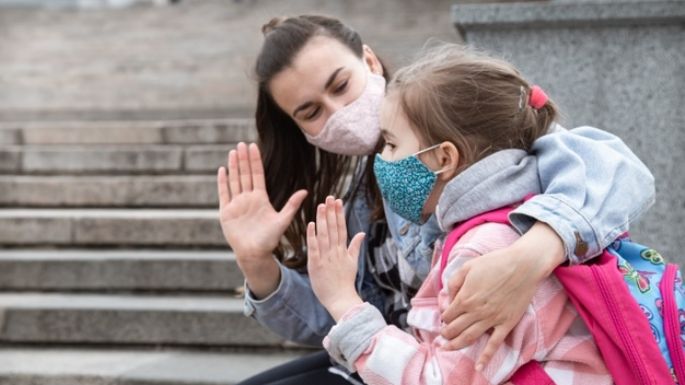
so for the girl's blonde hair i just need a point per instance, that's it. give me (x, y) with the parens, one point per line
(479, 103)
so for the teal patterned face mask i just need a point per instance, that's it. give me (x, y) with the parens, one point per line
(406, 184)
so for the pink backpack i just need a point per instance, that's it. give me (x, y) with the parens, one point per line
(614, 316)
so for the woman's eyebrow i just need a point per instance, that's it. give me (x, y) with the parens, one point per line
(331, 78)
(330, 81)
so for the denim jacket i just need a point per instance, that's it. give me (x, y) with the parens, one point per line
(594, 186)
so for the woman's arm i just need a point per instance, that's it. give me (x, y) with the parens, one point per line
(292, 311)
(593, 187)
(279, 298)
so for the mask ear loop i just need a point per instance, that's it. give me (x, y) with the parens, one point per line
(429, 149)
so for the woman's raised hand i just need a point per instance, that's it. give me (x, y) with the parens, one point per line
(251, 225)
(332, 265)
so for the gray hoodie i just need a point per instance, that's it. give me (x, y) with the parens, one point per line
(501, 179)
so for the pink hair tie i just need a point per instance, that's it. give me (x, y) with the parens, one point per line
(538, 98)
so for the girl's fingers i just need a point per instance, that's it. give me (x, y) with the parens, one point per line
(222, 186)
(233, 181)
(244, 168)
(322, 229)
(356, 245)
(312, 244)
(332, 222)
(257, 168)
(342, 226)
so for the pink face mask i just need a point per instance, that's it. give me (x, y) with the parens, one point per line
(354, 129)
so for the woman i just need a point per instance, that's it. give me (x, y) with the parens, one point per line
(320, 90)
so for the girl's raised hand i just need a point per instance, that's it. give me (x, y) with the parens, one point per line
(251, 225)
(332, 265)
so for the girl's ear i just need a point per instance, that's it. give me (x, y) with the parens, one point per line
(372, 61)
(448, 158)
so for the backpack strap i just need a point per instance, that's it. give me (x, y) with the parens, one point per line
(531, 374)
(672, 321)
(496, 216)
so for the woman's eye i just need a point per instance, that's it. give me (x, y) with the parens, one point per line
(313, 114)
(339, 89)
(389, 146)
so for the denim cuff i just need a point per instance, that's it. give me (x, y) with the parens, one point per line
(272, 302)
(575, 230)
(353, 334)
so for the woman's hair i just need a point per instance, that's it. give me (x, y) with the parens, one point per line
(290, 162)
(479, 103)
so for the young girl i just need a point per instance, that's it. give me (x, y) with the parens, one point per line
(458, 127)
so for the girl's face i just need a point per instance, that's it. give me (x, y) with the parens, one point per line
(402, 141)
(323, 77)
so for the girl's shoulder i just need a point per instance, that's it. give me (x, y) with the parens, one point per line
(485, 238)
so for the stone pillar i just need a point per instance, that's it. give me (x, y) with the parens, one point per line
(616, 65)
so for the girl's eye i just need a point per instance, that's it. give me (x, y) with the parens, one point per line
(339, 89)
(313, 114)
(389, 146)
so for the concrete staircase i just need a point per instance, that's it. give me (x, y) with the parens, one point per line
(113, 268)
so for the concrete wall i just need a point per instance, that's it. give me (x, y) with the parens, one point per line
(192, 59)
(619, 66)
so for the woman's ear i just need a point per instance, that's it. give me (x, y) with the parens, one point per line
(448, 158)
(372, 60)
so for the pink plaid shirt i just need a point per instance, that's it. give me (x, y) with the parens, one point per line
(550, 332)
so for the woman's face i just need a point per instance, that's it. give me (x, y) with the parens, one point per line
(323, 77)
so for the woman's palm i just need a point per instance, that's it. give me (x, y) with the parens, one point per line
(251, 225)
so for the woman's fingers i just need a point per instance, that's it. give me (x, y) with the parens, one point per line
(494, 342)
(244, 168)
(455, 331)
(332, 222)
(455, 284)
(222, 186)
(257, 168)
(233, 174)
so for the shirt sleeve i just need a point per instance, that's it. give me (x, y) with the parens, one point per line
(292, 310)
(594, 186)
(384, 354)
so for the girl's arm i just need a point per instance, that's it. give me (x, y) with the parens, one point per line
(383, 354)
(593, 187)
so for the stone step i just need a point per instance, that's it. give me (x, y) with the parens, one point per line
(197, 131)
(68, 318)
(114, 159)
(90, 366)
(120, 228)
(119, 270)
(108, 191)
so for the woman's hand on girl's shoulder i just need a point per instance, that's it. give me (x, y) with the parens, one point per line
(250, 224)
(331, 264)
(492, 292)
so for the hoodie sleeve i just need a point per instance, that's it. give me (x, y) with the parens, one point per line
(594, 186)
